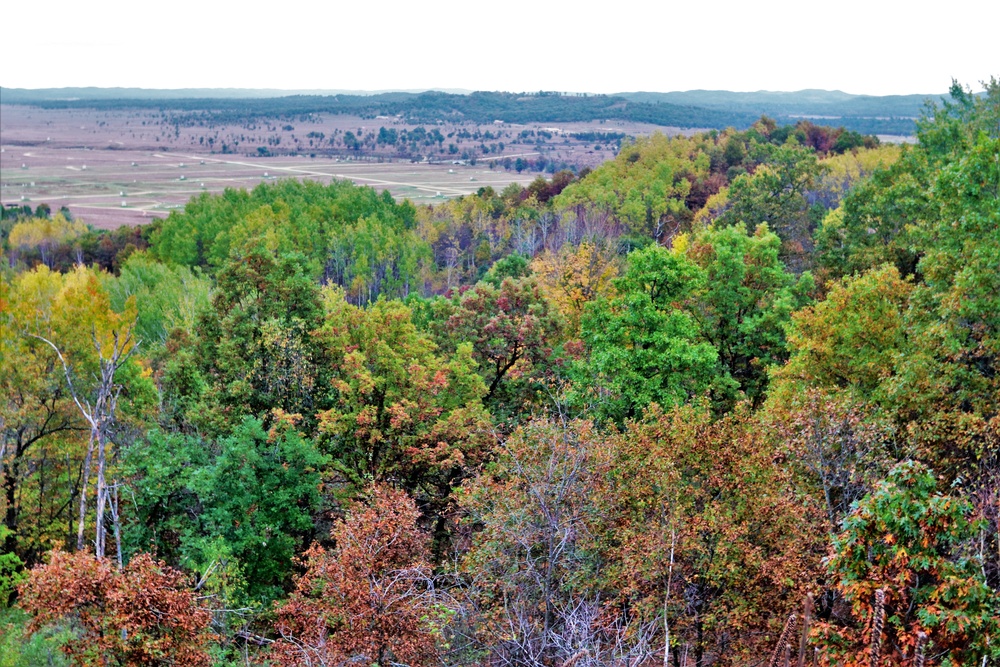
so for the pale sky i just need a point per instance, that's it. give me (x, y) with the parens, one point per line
(858, 46)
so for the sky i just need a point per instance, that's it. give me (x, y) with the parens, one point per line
(868, 47)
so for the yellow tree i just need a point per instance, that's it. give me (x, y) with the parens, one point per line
(83, 350)
(572, 277)
(645, 188)
(44, 234)
(36, 414)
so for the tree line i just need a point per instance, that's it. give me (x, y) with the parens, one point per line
(481, 107)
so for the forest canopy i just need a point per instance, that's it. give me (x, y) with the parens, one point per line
(727, 399)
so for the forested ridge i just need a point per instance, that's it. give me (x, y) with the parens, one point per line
(728, 399)
(694, 109)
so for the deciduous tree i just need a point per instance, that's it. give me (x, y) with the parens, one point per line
(643, 347)
(904, 539)
(142, 615)
(405, 412)
(512, 328)
(369, 599)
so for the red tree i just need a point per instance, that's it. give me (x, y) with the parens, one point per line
(142, 615)
(367, 600)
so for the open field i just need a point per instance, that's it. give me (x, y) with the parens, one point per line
(124, 167)
(109, 188)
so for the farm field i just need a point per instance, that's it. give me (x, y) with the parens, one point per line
(109, 188)
(111, 168)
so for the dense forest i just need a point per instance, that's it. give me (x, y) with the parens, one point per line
(726, 400)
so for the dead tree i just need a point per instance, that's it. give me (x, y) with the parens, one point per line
(100, 415)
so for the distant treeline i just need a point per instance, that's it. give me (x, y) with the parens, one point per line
(799, 103)
(478, 107)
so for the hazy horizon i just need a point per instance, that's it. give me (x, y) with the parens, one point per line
(861, 47)
(237, 91)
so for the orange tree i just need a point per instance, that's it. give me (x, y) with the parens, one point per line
(141, 615)
(677, 530)
(707, 535)
(366, 600)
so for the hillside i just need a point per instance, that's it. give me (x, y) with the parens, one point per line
(801, 103)
(727, 398)
(696, 109)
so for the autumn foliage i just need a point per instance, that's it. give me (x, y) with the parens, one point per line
(606, 539)
(144, 614)
(903, 540)
(369, 599)
(642, 415)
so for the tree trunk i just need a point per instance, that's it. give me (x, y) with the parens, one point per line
(102, 497)
(10, 493)
(699, 647)
(806, 617)
(666, 600)
(84, 482)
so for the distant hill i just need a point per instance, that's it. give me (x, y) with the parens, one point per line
(34, 95)
(699, 109)
(424, 107)
(798, 103)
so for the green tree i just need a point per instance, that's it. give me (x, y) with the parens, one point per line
(745, 302)
(877, 221)
(852, 339)
(643, 347)
(900, 212)
(257, 490)
(775, 194)
(254, 348)
(905, 538)
(342, 232)
(166, 297)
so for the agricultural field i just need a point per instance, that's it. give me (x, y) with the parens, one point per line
(111, 168)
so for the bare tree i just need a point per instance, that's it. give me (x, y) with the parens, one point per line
(100, 412)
